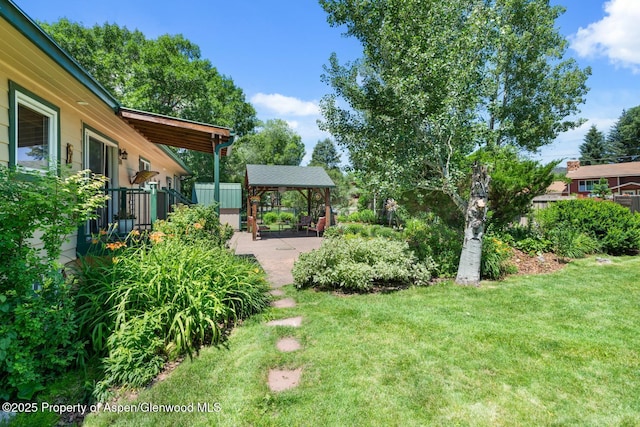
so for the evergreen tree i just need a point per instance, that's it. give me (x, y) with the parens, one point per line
(628, 127)
(594, 149)
(325, 154)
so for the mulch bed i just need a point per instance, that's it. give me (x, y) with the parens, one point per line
(540, 264)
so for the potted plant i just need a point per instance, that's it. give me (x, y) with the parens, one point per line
(125, 221)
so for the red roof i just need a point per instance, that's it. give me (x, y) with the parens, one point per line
(605, 171)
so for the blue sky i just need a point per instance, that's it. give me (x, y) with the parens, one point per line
(275, 50)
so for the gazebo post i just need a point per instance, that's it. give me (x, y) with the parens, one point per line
(327, 206)
(309, 201)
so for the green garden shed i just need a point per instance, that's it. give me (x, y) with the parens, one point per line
(230, 200)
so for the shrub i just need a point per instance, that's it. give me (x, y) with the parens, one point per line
(37, 321)
(367, 216)
(197, 224)
(270, 217)
(342, 218)
(430, 238)
(286, 217)
(354, 217)
(496, 255)
(386, 232)
(135, 355)
(152, 302)
(534, 245)
(358, 264)
(614, 227)
(570, 243)
(353, 228)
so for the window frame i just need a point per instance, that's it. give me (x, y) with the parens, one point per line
(142, 163)
(90, 132)
(18, 95)
(583, 185)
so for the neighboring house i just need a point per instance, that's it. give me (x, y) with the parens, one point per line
(53, 113)
(623, 178)
(558, 190)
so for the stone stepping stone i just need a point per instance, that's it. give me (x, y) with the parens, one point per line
(290, 321)
(277, 293)
(284, 379)
(288, 344)
(284, 303)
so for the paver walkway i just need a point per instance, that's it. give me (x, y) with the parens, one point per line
(276, 253)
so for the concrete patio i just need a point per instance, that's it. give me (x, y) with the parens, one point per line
(276, 251)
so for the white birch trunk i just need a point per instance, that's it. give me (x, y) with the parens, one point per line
(471, 256)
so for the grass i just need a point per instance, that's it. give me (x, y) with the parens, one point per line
(558, 349)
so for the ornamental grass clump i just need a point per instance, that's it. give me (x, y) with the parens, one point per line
(359, 264)
(156, 297)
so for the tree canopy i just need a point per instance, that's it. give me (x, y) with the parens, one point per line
(438, 80)
(595, 149)
(166, 75)
(624, 136)
(325, 154)
(275, 143)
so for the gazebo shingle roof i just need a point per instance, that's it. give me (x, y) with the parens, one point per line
(288, 176)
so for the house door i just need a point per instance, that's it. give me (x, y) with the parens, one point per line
(100, 158)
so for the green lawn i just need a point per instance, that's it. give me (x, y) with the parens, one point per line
(559, 349)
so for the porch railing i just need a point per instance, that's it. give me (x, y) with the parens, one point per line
(130, 209)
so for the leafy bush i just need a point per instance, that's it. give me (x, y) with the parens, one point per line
(286, 217)
(367, 216)
(353, 228)
(430, 238)
(270, 217)
(381, 231)
(37, 321)
(342, 218)
(197, 224)
(534, 245)
(358, 264)
(496, 255)
(354, 217)
(135, 355)
(570, 243)
(614, 227)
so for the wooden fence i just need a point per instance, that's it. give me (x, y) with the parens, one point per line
(631, 202)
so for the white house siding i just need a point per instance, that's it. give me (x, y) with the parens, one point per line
(26, 65)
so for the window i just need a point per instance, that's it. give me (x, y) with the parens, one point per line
(100, 154)
(34, 135)
(587, 185)
(144, 164)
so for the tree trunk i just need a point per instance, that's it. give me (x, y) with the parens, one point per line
(471, 256)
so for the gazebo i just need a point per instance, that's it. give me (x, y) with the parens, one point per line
(307, 180)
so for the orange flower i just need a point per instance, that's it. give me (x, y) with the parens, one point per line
(134, 232)
(94, 241)
(115, 245)
(197, 226)
(103, 232)
(156, 236)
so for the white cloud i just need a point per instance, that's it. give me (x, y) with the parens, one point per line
(616, 36)
(286, 105)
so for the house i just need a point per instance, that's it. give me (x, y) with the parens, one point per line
(623, 178)
(53, 113)
(558, 190)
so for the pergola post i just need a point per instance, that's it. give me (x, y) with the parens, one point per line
(327, 206)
